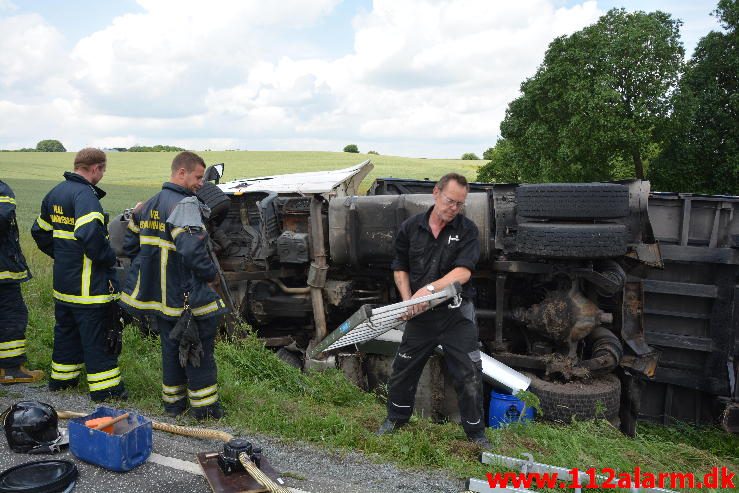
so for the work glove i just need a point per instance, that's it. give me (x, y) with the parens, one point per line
(113, 329)
(186, 332)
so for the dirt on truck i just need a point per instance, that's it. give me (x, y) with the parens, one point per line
(615, 301)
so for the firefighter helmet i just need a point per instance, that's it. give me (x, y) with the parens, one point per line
(31, 426)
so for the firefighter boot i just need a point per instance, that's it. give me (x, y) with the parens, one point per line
(20, 374)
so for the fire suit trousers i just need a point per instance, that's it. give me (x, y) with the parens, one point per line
(198, 384)
(79, 341)
(13, 321)
(455, 330)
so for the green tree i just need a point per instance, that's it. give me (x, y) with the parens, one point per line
(701, 150)
(596, 100)
(501, 167)
(50, 145)
(351, 148)
(470, 156)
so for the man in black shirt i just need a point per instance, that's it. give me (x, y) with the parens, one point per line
(433, 250)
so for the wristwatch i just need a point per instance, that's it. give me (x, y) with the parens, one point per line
(430, 288)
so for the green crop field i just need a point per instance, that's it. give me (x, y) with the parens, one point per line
(262, 394)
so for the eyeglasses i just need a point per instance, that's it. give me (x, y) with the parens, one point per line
(450, 202)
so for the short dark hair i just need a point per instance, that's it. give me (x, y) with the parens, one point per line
(88, 157)
(452, 177)
(188, 160)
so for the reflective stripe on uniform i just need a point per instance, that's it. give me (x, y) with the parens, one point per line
(7, 200)
(104, 379)
(209, 308)
(203, 397)
(43, 224)
(64, 235)
(173, 394)
(87, 218)
(133, 227)
(86, 276)
(176, 232)
(84, 300)
(12, 349)
(7, 274)
(156, 241)
(163, 259)
(61, 371)
(168, 310)
(135, 291)
(150, 305)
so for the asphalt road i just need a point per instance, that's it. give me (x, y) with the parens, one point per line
(173, 467)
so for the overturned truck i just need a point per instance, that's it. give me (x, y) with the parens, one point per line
(614, 301)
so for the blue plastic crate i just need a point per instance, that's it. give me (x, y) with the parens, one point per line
(129, 445)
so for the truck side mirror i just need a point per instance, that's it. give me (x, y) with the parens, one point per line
(214, 173)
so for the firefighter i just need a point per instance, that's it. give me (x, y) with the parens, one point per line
(13, 311)
(170, 279)
(71, 229)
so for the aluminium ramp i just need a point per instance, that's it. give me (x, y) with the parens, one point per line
(368, 323)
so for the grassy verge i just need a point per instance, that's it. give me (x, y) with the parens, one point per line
(262, 394)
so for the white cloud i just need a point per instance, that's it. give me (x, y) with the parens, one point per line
(423, 77)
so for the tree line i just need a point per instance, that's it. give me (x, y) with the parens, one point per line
(617, 100)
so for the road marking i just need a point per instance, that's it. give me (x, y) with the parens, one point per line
(181, 465)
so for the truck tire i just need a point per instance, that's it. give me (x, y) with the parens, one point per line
(573, 200)
(216, 200)
(565, 240)
(597, 397)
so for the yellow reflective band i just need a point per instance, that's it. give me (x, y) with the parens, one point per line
(150, 305)
(6, 274)
(135, 292)
(203, 402)
(163, 259)
(13, 344)
(85, 300)
(156, 241)
(104, 375)
(7, 200)
(179, 389)
(86, 275)
(176, 232)
(11, 353)
(203, 392)
(88, 218)
(113, 382)
(133, 227)
(171, 400)
(209, 308)
(43, 224)
(64, 235)
(63, 367)
(64, 376)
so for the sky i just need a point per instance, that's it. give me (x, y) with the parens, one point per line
(420, 78)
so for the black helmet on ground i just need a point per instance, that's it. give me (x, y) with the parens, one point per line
(31, 426)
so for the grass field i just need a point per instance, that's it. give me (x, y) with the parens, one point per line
(262, 394)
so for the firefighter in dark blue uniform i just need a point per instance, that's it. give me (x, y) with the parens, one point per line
(13, 311)
(171, 266)
(71, 229)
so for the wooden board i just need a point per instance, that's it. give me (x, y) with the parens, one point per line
(238, 482)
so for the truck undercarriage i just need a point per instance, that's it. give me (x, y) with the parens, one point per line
(566, 284)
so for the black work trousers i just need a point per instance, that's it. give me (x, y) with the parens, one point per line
(79, 342)
(455, 330)
(198, 384)
(13, 321)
